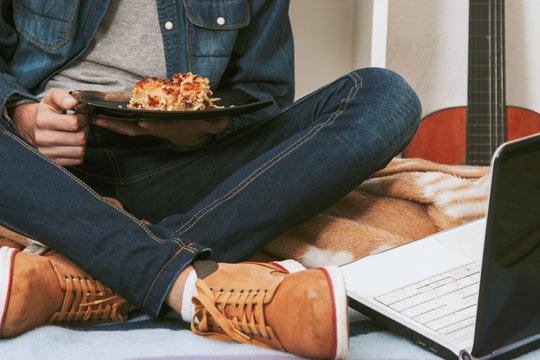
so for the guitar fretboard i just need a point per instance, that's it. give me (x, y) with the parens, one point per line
(486, 110)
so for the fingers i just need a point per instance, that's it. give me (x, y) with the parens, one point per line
(151, 126)
(51, 115)
(206, 126)
(47, 137)
(217, 125)
(65, 122)
(68, 162)
(74, 154)
(184, 133)
(60, 136)
(66, 148)
(59, 99)
(57, 135)
(130, 128)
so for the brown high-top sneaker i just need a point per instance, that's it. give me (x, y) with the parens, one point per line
(10, 243)
(49, 289)
(304, 313)
(12, 239)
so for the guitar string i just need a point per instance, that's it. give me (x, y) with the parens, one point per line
(498, 55)
(495, 83)
(493, 28)
(502, 69)
(500, 75)
(490, 70)
(493, 70)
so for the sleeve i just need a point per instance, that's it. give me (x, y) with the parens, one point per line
(262, 62)
(10, 89)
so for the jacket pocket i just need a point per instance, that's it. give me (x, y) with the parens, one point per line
(213, 26)
(45, 23)
(218, 14)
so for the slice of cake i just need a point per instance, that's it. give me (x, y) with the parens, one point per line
(185, 92)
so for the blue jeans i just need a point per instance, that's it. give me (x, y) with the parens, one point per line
(231, 196)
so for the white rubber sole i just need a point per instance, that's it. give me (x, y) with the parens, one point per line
(341, 311)
(7, 256)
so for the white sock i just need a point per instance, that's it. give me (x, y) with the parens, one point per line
(188, 309)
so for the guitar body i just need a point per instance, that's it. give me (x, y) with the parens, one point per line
(442, 135)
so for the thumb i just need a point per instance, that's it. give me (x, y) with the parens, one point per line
(59, 99)
(68, 102)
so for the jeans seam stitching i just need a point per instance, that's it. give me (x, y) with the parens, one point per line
(147, 173)
(182, 248)
(173, 163)
(105, 179)
(275, 159)
(91, 191)
(133, 178)
(14, 228)
(117, 180)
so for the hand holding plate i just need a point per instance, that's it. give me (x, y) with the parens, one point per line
(182, 133)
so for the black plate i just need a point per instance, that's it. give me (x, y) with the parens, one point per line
(114, 104)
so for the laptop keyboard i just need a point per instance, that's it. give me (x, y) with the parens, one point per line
(445, 303)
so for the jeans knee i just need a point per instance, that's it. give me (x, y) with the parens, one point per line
(392, 92)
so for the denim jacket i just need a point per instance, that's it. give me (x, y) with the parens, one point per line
(238, 44)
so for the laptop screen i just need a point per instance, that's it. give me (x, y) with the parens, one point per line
(509, 303)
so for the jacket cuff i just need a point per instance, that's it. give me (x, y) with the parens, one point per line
(11, 102)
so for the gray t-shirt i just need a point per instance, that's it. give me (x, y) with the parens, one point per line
(126, 48)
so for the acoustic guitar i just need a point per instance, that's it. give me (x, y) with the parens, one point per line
(469, 135)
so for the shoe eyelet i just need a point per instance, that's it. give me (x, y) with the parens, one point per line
(221, 290)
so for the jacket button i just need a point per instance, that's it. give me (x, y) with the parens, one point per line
(220, 21)
(168, 25)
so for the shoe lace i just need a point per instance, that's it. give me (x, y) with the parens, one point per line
(87, 300)
(238, 313)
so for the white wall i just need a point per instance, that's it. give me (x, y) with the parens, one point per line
(323, 35)
(426, 44)
(335, 37)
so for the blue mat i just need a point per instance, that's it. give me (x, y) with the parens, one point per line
(143, 339)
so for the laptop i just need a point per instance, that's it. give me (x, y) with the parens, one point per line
(473, 291)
